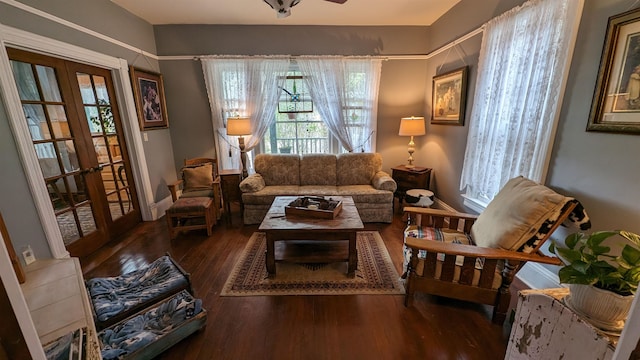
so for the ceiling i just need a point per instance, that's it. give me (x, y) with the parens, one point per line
(307, 12)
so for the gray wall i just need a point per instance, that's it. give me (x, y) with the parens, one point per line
(402, 83)
(599, 169)
(103, 16)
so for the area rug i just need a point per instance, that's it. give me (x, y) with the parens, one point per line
(375, 273)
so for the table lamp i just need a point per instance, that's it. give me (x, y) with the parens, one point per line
(240, 126)
(411, 126)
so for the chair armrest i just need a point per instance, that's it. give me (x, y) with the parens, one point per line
(383, 181)
(440, 218)
(174, 187)
(476, 251)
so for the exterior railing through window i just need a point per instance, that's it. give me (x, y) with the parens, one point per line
(301, 146)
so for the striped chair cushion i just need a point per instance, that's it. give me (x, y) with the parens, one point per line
(449, 236)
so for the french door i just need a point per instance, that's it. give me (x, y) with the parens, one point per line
(75, 126)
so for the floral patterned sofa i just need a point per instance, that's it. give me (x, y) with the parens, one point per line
(358, 175)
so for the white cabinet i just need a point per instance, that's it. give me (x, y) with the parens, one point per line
(545, 328)
(58, 302)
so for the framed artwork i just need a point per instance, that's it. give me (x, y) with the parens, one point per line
(148, 90)
(449, 95)
(616, 99)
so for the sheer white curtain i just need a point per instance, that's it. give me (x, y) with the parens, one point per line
(345, 93)
(242, 87)
(524, 59)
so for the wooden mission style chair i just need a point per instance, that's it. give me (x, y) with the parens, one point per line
(199, 206)
(475, 257)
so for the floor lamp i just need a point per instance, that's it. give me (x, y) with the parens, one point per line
(240, 126)
(411, 126)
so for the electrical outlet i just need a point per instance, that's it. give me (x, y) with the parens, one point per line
(28, 255)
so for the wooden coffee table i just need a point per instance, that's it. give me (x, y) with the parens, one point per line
(311, 240)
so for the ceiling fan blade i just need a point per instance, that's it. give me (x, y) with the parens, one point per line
(337, 1)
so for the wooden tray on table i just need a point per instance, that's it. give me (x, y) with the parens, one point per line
(314, 207)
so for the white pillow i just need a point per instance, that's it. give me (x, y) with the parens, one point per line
(515, 214)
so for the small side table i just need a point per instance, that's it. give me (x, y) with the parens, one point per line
(410, 178)
(230, 184)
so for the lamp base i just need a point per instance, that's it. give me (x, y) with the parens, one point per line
(243, 157)
(411, 150)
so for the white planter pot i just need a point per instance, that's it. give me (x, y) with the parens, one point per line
(604, 309)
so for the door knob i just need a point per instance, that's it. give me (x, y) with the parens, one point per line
(91, 170)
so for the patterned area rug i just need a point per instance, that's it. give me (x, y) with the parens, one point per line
(375, 274)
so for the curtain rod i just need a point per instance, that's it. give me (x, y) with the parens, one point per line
(445, 47)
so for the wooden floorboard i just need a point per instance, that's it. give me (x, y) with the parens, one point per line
(303, 327)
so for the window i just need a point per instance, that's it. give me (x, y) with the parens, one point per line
(344, 93)
(522, 71)
(298, 128)
(325, 104)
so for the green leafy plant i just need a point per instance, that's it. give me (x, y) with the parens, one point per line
(588, 262)
(107, 118)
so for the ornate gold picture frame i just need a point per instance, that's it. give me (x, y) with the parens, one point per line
(148, 90)
(616, 99)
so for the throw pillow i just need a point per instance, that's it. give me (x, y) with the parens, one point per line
(198, 178)
(516, 214)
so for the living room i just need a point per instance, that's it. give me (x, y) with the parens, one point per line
(598, 168)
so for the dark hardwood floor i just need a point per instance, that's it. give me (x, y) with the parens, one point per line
(303, 327)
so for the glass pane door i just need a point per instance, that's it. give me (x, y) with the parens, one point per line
(55, 145)
(73, 120)
(101, 122)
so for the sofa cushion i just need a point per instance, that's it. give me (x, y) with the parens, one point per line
(366, 194)
(266, 195)
(516, 214)
(278, 169)
(319, 190)
(318, 169)
(357, 168)
(198, 178)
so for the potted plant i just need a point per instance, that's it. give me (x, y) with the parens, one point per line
(602, 282)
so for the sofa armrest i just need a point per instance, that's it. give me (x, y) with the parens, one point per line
(252, 183)
(383, 181)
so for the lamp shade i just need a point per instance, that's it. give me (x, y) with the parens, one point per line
(412, 126)
(238, 126)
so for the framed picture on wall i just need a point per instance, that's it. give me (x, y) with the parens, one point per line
(148, 90)
(616, 99)
(449, 94)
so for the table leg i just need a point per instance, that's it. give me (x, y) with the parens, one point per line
(353, 255)
(227, 206)
(270, 255)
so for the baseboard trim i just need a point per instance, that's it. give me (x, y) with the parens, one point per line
(439, 204)
(537, 276)
(161, 207)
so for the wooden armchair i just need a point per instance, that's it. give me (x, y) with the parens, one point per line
(475, 257)
(197, 181)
